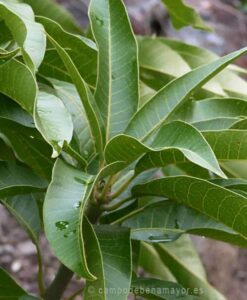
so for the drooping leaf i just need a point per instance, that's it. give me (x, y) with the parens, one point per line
(28, 34)
(216, 202)
(53, 121)
(86, 96)
(10, 290)
(182, 260)
(168, 220)
(176, 135)
(18, 83)
(155, 112)
(15, 180)
(110, 260)
(117, 92)
(81, 50)
(183, 15)
(51, 10)
(63, 212)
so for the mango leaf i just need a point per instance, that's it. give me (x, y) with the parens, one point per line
(28, 34)
(155, 112)
(15, 180)
(82, 134)
(6, 154)
(211, 109)
(182, 255)
(69, 189)
(177, 135)
(150, 288)
(183, 15)
(86, 96)
(181, 259)
(9, 289)
(218, 203)
(18, 83)
(109, 257)
(167, 220)
(118, 96)
(51, 10)
(82, 51)
(216, 124)
(22, 139)
(53, 121)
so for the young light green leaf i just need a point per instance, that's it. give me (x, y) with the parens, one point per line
(117, 93)
(183, 15)
(29, 34)
(155, 112)
(53, 121)
(9, 289)
(182, 260)
(51, 10)
(18, 83)
(168, 220)
(68, 190)
(111, 262)
(86, 96)
(214, 201)
(177, 135)
(5, 56)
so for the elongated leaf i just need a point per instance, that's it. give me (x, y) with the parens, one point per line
(49, 9)
(177, 135)
(28, 34)
(10, 290)
(183, 15)
(174, 255)
(82, 134)
(158, 109)
(212, 200)
(6, 56)
(16, 180)
(6, 154)
(159, 289)
(18, 83)
(111, 262)
(117, 92)
(87, 99)
(167, 220)
(53, 121)
(63, 212)
(81, 50)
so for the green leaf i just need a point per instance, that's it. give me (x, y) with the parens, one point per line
(63, 212)
(10, 290)
(28, 34)
(49, 9)
(110, 260)
(218, 203)
(177, 135)
(168, 220)
(157, 289)
(18, 83)
(53, 121)
(16, 180)
(6, 56)
(155, 112)
(82, 134)
(22, 140)
(86, 96)
(82, 51)
(181, 259)
(183, 15)
(6, 154)
(117, 91)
